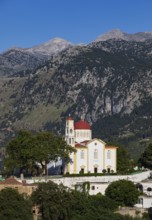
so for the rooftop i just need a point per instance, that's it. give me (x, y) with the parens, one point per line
(83, 125)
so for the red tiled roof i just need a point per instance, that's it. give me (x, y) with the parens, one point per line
(79, 145)
(10, 181)
(69, 118)
(85, 142)
(13, 181)
(110, 146)
(82, 125)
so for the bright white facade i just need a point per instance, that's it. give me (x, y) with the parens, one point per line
(92, 155)
(144, 202)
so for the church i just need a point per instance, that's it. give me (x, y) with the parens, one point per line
(92, 155)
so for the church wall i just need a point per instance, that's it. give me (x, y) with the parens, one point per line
(96, 161)
(110, 159)
(81, 162)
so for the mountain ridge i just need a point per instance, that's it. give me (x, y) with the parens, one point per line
(118, 34)
(23, 61)
(109, 83)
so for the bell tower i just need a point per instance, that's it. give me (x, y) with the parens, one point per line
(69, 131)
(70, 139)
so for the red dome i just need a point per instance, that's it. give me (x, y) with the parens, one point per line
(82, 125)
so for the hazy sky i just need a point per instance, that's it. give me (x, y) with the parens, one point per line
(25, 23)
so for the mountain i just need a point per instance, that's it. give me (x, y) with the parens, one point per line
(109, 83)
(24, 61)
(119, 35)
(49, 48)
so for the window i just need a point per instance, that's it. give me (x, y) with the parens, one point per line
(70, 140)
(93, 187)
(109, 154)
(82, 154)
(140, 201)
(95, 154)
(71, 130)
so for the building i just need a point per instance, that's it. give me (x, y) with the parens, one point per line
(21, 186)
(144, 201)
(92, 155)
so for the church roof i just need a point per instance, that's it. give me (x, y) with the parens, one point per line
(85, 142)
(69, 118)
(83, 125)
(107, 146)
(81, 144)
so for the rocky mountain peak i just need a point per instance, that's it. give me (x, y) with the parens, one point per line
(50, 47)
(22, 61)
(119, 35)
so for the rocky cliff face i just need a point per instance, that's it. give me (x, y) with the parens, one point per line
(107, 82)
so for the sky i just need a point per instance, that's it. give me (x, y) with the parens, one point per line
(27, 23)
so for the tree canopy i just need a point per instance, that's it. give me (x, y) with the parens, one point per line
(124, 163)
(33, 151)
(53, 200)
(57, 202)
(146, 158)
(14, 206)
(124, 192)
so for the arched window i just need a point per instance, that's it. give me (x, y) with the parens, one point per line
(82, 154)
(109, 154)
(95, 154)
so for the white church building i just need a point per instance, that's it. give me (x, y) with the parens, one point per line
(92, 155)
